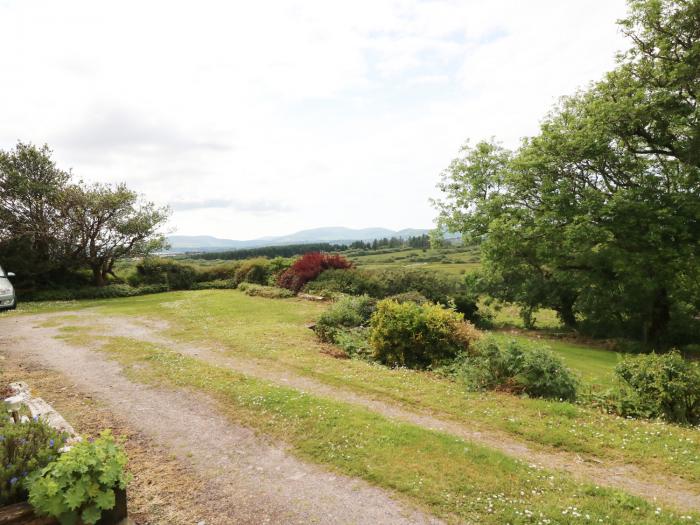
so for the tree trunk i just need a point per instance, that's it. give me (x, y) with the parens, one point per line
(566, 310)
(97, 277)
(660, 317)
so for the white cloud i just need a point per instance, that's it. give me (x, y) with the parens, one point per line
(326, 112)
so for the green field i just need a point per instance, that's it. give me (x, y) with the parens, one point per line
(455, 261)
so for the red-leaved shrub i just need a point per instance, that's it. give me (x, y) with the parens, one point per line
(309, 266)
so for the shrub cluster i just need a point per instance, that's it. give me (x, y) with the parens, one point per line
(409, 297)
(271, 292)
(164, 272)
(255, 271)
(418, 336)
(219, 272)
(511, 367)
(385, 283)
(659, 385)
(346, 313)
(346, 281)
(216, 284)
(308, 267)
(93, 292)
(435, 286)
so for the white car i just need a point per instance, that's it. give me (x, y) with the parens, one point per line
(8, 301)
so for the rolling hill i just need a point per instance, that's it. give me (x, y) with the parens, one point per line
(337, 235)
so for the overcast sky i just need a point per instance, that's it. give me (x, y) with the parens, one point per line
(266, 117)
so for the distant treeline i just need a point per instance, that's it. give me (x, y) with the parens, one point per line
(288, 250)
(420, 241)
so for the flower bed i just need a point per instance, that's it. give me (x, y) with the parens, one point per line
(49, 475)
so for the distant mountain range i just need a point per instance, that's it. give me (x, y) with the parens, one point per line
(333, 235)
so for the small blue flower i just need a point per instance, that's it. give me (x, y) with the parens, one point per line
(36, 418)
(51, 442)
(13, 481)
(25, 474)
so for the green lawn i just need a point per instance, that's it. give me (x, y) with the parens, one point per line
(273, 331)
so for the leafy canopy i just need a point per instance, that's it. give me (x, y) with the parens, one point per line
(598, 216)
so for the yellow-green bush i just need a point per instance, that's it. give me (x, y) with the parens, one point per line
(418, 336)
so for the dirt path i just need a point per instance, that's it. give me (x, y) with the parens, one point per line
(256, 481)
(672, 491)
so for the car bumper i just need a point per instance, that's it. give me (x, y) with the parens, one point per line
(7, 301)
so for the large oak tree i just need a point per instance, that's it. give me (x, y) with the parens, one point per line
(598, 216)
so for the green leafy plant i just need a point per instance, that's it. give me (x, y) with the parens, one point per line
(24, 448)
(354, 341)
(81, 483)
(347, 312)
(659, 385)
(511, 367)
(418, 336)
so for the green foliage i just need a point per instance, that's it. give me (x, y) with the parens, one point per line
(514, 368)
(417, 336)
(162, 271)
(466, 302)
(106, 223)
(216, 284)
(277, 267)
(659, 385)
(354, 341)
(409, 297)
(596, 217)
(351, 281)
(31, 234)
(386, 282)
(80, 484)
(435, 286)
(255, 271)
(219, 272)
(271, 292)
(24, 448)
(347, 312)
(51, 226)
(93, 292)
